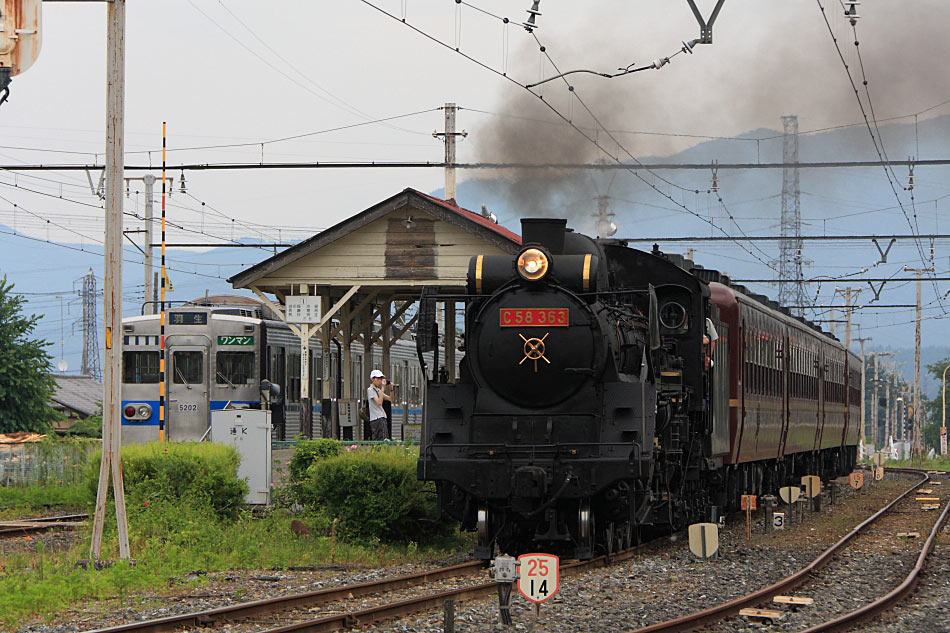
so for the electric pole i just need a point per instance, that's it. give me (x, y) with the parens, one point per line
(915, 443)
(111, 402)
(849, 294)
(862, 340)
(449, 137)
(149, 181)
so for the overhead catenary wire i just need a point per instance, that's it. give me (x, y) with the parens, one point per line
(877, 142)
(559, 114)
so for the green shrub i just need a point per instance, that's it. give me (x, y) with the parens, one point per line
(200, 474)
(374, 496)
(308, 452)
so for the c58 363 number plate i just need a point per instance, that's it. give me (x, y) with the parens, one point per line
(536, 317)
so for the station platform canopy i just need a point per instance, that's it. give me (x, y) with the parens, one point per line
(369, 271)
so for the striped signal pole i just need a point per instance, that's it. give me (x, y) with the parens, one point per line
(161, 360)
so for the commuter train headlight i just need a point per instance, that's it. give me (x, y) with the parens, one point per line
(533, 264)
(145, 411)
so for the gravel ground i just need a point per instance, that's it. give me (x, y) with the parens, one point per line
(663, 584)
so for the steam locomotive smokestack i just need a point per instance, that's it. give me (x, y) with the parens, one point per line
(547, 232)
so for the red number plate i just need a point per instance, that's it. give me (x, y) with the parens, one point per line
(522, 317)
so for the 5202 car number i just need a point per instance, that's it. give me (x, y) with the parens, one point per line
(187, 407)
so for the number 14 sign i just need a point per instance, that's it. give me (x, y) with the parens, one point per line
(539, 576)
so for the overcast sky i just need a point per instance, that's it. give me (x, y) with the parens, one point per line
(234, 71)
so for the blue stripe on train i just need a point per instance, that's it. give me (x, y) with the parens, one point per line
(153, 420)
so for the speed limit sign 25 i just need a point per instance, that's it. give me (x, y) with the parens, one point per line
(539, 576)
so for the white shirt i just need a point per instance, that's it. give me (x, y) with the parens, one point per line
(711, 331)
(376, 411)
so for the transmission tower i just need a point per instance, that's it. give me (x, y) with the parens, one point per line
(603, 218)
(90, 328)
(791, 287)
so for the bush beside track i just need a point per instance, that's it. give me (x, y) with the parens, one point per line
(371, 495)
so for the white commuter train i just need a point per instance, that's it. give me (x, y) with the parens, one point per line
(220, 348)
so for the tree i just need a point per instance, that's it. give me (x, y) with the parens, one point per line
(930, 433)
(26, 381)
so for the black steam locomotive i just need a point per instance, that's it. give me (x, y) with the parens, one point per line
(607, 391)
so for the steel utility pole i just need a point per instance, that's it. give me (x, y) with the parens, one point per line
(915, 443)
(449, 137)
(111, 402)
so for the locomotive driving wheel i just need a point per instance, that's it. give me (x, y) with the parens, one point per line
(585, 531)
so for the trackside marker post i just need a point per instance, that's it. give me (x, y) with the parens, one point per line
(789, 494)
(748, 504)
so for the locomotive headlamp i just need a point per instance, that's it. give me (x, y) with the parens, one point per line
(532, 264)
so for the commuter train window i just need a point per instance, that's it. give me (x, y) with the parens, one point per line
(187, 368)
(672, 315)
(234, 368)
(140, 367)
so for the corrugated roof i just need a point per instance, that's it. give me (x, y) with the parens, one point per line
(81, 394)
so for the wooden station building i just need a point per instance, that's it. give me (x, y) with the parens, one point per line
(368, 272)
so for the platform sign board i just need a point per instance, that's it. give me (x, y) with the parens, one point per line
(704, 539)
(856, 480)
(539, 577)
(789, 494)
(943, 440)
(303, 309)
(878, 473)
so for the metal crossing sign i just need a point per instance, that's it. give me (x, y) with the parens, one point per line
(539, 577)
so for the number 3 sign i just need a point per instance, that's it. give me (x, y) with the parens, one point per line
(539, 576)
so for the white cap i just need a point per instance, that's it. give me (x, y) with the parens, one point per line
(376, 374)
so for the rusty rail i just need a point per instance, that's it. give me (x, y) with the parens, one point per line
(365, 616)
(719, 612)
(41, 524)
(894, 596)
(283, 603)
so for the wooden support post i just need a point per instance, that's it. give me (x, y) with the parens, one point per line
(387, 329)
(326, 385)
(112, 292)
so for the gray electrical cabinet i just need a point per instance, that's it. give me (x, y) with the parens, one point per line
(248, 431)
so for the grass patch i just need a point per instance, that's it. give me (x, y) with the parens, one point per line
(937, 463)
(182, 519)
(170, 540)
(16, 502)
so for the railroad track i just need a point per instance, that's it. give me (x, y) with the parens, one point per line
(710, 617)
(41, 524)
(274, 610)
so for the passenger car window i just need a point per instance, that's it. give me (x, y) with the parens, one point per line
(140, 367)
(187, 368)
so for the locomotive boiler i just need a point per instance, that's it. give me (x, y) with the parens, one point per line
(606, 391)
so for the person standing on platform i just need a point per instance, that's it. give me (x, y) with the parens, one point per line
(376, 394)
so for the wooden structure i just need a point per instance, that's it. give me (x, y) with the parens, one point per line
(369, 271)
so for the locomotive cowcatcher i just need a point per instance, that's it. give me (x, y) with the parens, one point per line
(606, 392)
